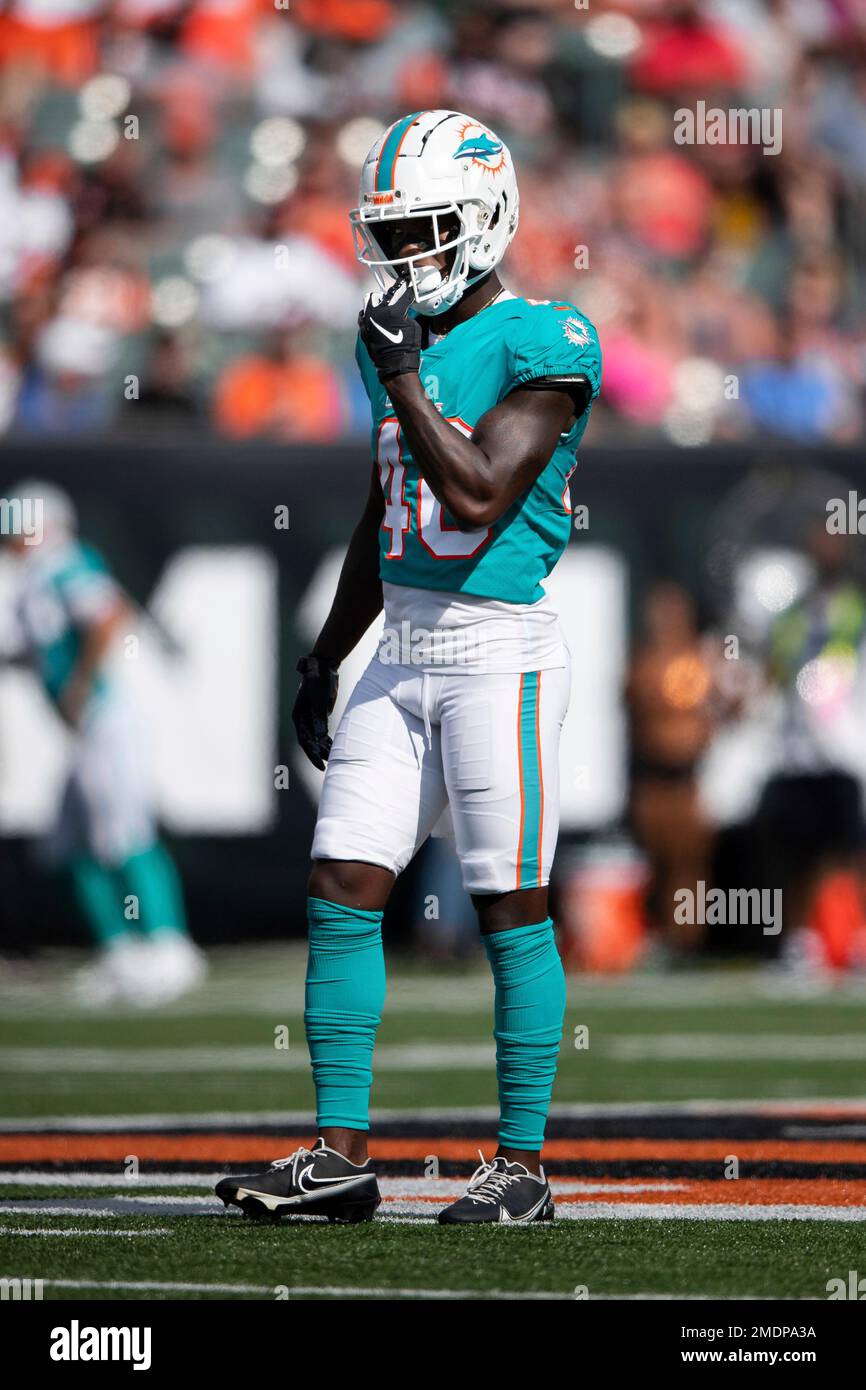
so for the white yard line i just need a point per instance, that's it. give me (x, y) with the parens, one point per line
(634, 1049)
(120, 1186)
(669, 1211)
(399, 1187)
(154, 1061)
(70, 1208)
(380, 1291)
(295, 1290)
(243, 984)
(408, 1209)
(80, 1231)
(728, 1046)
(100, 1205)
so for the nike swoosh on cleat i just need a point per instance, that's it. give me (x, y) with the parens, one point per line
(272, 1202)
(395, 337)
(327, 1182)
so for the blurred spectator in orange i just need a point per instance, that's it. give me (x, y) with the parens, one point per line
(282, 393)
(365, 21)
(59, 38)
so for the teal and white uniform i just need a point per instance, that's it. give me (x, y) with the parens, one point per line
(463, 706)
(64, 585)
(106, 807)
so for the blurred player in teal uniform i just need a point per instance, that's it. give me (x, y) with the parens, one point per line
(479, 400)
(69, 616)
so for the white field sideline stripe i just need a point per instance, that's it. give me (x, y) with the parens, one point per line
(423, 1214)
(395, 1193)
(668, 1211)
(429, 1056)
(480, 1114)
(70, 1208)
(334, 1291)
(417, 1187)
(81, 1231)
(296, 1290)
(417, 1214)
(695, 1298)
(99, 1205)
(151, 1061)
(715, 1047)
(120, 1186)
(259, 992)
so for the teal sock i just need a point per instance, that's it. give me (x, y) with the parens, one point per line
(151, 877)
(99, 893)
(343, 1004)
(529, 1012)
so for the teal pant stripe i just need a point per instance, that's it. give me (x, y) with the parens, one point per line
(345, 993)
(385, 167)
(529, 867)
(528, 1018)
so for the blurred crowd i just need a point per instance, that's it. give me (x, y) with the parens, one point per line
(175, 177)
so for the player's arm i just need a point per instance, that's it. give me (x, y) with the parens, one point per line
(357, 602)
(98, 635)
(476, 479)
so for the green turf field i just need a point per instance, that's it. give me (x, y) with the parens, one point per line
(714, 1035)
(214, 1069)
(568, 1260)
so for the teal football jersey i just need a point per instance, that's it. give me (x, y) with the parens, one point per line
(62, 588)
(465, 373)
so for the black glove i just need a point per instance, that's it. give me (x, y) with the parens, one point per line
(315, 701)
(392, 339)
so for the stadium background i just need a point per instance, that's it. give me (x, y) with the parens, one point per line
(179, 292)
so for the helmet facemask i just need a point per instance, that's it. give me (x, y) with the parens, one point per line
(433, 294)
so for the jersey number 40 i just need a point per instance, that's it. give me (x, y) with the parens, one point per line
(443, 542)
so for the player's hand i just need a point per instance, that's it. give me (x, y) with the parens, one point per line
(315, 701)
(392, 339)
(72, 700)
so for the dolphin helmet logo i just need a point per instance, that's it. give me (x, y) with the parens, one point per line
(479, 147)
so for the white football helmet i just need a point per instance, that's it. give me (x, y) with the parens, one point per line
(436, 165)
(57, 509)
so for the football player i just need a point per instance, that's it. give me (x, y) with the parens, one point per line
(479, 400)
(70, 613)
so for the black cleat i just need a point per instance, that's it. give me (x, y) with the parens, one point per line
(310, 1182)
(504, 1192)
